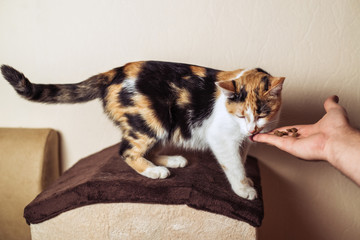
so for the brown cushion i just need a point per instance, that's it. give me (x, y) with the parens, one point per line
(105, 178)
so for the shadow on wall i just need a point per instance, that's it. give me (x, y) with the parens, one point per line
(284, 218)
(296, 112)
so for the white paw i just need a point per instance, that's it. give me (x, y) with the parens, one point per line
(171, 161)
(156, 172)
(246, 191)
(176, 162)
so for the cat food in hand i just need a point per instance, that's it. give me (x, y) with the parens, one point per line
(293, 132)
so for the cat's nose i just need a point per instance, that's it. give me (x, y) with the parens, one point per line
(253, 131)
(256, 130)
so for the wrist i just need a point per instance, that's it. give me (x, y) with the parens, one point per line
(339, 145)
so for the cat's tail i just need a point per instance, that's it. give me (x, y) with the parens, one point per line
(53, 93)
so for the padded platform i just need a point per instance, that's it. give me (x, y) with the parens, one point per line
(114, 221)
(105, 178)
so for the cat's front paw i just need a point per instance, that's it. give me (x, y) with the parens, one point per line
(156, 172)
(246, 191)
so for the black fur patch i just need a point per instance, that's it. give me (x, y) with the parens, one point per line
(124, 145)
(239, 97)
(234, 85)
(159, 81)
(133, 135)
(179, 119)
(21, 84)
(203, 97)
(243, 94)
(262, 107)
(139, 124)
(265, 80)
(154, 82)
(120, 75)
(37, 92)
(125, 98)
(53, 90)
(262, 70)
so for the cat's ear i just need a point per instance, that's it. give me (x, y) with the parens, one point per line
(276, 86)
(226, 87)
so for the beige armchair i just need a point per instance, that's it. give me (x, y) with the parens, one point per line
(29, 162)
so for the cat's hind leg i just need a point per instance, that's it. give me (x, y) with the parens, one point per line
(133, 149)
(170, 161)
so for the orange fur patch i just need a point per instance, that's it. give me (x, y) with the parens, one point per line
(140, 145)
(177, 136)
(244, 181)
(144, 108)
(233, 107)
(223, 167)
(134, 156)
(198, 71)
(183, 97)
(109, 75)
(161, 161)
(228, 75)
(132, 70)
(113, 106)
(139, 164)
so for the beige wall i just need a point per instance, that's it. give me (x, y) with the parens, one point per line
(314, 43)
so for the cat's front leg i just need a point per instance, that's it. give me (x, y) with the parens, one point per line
(230, 159)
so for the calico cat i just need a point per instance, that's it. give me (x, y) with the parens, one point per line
(156, 103)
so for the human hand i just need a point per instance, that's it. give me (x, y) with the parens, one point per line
(315, 140)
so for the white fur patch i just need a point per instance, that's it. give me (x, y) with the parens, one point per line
(246, 191)
(129, 85)
(156, 172)
(198, 139)
(251, 121)
(242, 73)
(225, 135)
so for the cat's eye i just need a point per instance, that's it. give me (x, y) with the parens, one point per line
(233, 97)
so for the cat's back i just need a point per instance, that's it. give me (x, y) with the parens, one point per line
(166, 95)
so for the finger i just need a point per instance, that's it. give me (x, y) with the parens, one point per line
(331, 103)
(283, 143)
(305, 148)
(264, 137)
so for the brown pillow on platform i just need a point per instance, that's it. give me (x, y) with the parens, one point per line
(105, 178)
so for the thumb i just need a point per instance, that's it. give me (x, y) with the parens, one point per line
(331, 103)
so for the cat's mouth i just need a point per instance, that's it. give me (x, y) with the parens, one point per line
(256, 130)
(253, 133)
